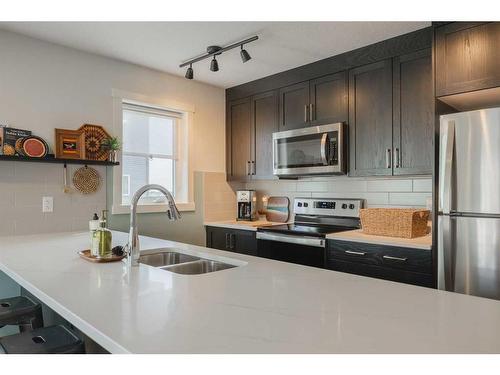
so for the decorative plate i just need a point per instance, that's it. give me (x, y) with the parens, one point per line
(86, 180)
(34, 147)
(94, 135)
(85, 254)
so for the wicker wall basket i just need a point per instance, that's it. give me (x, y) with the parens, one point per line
(394, 222)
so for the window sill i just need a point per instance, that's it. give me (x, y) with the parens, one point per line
(152, 208)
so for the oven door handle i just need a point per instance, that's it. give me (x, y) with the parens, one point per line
(325, 143)
(299, 240)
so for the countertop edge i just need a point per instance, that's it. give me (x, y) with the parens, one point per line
(396, 242)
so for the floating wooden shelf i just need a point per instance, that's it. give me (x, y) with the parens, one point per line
(52, 159)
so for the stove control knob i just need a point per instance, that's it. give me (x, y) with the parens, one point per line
(299, 204)
(351, 206)
(344, 206)
(305, 204)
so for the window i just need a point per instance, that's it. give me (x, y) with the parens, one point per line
(149, 147)
(154, 151)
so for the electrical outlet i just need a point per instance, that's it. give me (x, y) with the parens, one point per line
(48, 204)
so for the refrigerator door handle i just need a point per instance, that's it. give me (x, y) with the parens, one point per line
(445, 180)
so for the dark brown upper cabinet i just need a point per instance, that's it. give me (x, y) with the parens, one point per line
(370, 119)
(264, 124)
(293, 105)
(328, 97)
(251, 124)
(238, 138)
(467, 57)
(315, 102)
(413, 114)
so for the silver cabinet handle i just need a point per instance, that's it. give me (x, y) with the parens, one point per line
(311, 112)
(394, 258)
(396, 158)
(252, 169)
(388, 158)
(354, 252)
(248, 168)
(305, 112)
(228, 241)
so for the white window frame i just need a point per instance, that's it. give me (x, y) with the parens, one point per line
(183, 168)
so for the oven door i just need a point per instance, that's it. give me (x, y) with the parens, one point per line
(308, 251)
(308, 151)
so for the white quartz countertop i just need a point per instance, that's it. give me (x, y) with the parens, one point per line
(357, 235)
(241, 225)
(262, 306)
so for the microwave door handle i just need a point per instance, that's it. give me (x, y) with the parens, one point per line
(324, 148)
(445, 188)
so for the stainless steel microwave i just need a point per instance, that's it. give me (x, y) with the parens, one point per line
(316, 150)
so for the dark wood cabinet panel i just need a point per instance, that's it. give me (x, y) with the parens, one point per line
(467, 56)
(413, 114)
(240, 117)
(265, 123)
(239, 241)
(329, 99)
(370, 119)
(406, 265)
(294, 106)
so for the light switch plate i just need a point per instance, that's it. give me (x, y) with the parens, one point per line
(47, 204)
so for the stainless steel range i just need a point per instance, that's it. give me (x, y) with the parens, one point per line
(304, 240)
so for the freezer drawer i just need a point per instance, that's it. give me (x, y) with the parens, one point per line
(469, 255)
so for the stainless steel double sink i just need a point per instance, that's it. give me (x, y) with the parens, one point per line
(185, 264)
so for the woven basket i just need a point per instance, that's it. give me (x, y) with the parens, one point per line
(394, 222)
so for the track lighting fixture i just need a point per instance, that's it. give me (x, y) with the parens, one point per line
(214, 65)
(189, 72)
(213, 52)
(245, 56)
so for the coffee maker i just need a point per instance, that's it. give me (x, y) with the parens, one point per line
(247, 205)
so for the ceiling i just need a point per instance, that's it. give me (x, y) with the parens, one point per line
(164, 45)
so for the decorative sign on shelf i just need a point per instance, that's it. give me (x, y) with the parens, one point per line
(70, 144)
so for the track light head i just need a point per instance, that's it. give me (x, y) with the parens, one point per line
(214, 65)
(245, 56)
(189, 72)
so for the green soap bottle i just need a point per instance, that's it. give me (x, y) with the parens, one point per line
(101, 239)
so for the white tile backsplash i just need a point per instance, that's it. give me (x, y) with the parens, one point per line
(378, 192)
(22, 186)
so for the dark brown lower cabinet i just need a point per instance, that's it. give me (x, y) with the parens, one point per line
(239, 241)
(401, 264)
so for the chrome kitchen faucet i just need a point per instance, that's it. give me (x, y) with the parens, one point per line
(132, 249)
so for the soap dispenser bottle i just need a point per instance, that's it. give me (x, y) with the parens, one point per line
(102, 238)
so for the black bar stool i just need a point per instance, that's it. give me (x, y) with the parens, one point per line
(21, 311)
(48, 340)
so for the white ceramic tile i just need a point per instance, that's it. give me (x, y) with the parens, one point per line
(7, 195)
(347, 185)
(389, 185)
(422, 185)
(408, 199)
(311, 186)
(28, 195)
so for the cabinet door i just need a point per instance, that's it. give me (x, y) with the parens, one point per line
(329, 99)
(265, 123)
(467, 56)
(370, 119)
(218, 238)
(244, 242)
(294, 106)
(240, 133)
(413, 114)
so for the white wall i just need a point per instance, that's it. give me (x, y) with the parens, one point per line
(45, 86)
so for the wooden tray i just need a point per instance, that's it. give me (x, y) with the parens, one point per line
(85, 254)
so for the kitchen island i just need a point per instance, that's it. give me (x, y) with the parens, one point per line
(260, 306)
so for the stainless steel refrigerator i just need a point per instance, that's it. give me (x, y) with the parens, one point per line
(469, 203)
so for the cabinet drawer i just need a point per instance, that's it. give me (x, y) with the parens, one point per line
(401, 276)
(392, 257)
